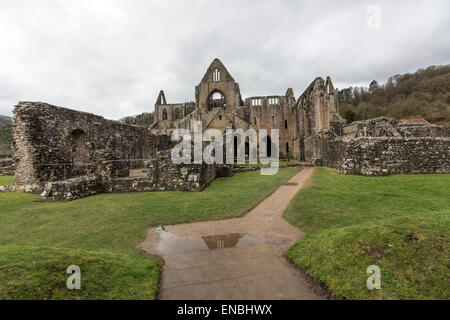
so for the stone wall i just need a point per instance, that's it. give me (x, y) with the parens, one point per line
(272, 112)
(71, 189)
(52, 143)
(166, 175)
(6, 165)
(162, 174)
(377, 156)
(317, 112)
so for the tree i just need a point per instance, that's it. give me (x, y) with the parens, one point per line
(425, 93)
(6, 135)
(373, 85)
(356, 96)
(145, 119)
(350, 116)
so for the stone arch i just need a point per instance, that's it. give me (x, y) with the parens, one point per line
(216, 99)
(329, 88)
(161, 98)
(164, 114)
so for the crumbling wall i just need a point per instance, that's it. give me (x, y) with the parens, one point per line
(273, 112)
(376, 156)
(165, 175)
(317, 112)
(65, 154)
(52, 143)
(6, 165)
(71, 189)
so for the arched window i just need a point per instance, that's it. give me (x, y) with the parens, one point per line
(285, 124)
(287, 148)
(216, 75)
(216, 100)
(164, 114)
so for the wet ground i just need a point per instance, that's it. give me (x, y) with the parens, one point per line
(233, 259)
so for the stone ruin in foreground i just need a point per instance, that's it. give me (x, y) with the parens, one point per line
(65, 154)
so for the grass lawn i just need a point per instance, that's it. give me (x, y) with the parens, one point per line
(5, 180)
(400, 223)
(259, 164)
(39, 240)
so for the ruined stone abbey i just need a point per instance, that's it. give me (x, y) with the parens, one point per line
(219, 105)
(67, 154)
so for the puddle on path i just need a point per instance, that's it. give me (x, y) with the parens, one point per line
(170, 244)
(291, 184)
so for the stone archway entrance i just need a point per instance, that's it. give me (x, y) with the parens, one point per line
(216, 99)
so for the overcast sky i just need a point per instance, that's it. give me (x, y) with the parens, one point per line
(112, 57)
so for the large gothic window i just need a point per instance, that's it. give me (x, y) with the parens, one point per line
(216, 100)
(164, 114)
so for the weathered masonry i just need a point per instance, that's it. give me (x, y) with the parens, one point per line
(6, 165)
(310, 127)
(383, 146)
(219, 105)
(65, 154)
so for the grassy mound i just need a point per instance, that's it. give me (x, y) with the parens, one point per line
(40, 273)
(400, 223)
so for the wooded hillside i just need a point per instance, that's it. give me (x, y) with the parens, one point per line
(423, 94)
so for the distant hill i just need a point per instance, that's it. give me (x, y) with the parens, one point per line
(5, 134)
(423, 94)
(4, 120)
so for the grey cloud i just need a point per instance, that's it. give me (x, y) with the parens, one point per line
(112, 57)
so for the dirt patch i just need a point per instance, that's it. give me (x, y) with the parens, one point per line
(371, 251)
(413, 238)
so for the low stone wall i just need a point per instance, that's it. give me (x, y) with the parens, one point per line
(6, 165)
(71, 189)
(166, 175)
(376, 156)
